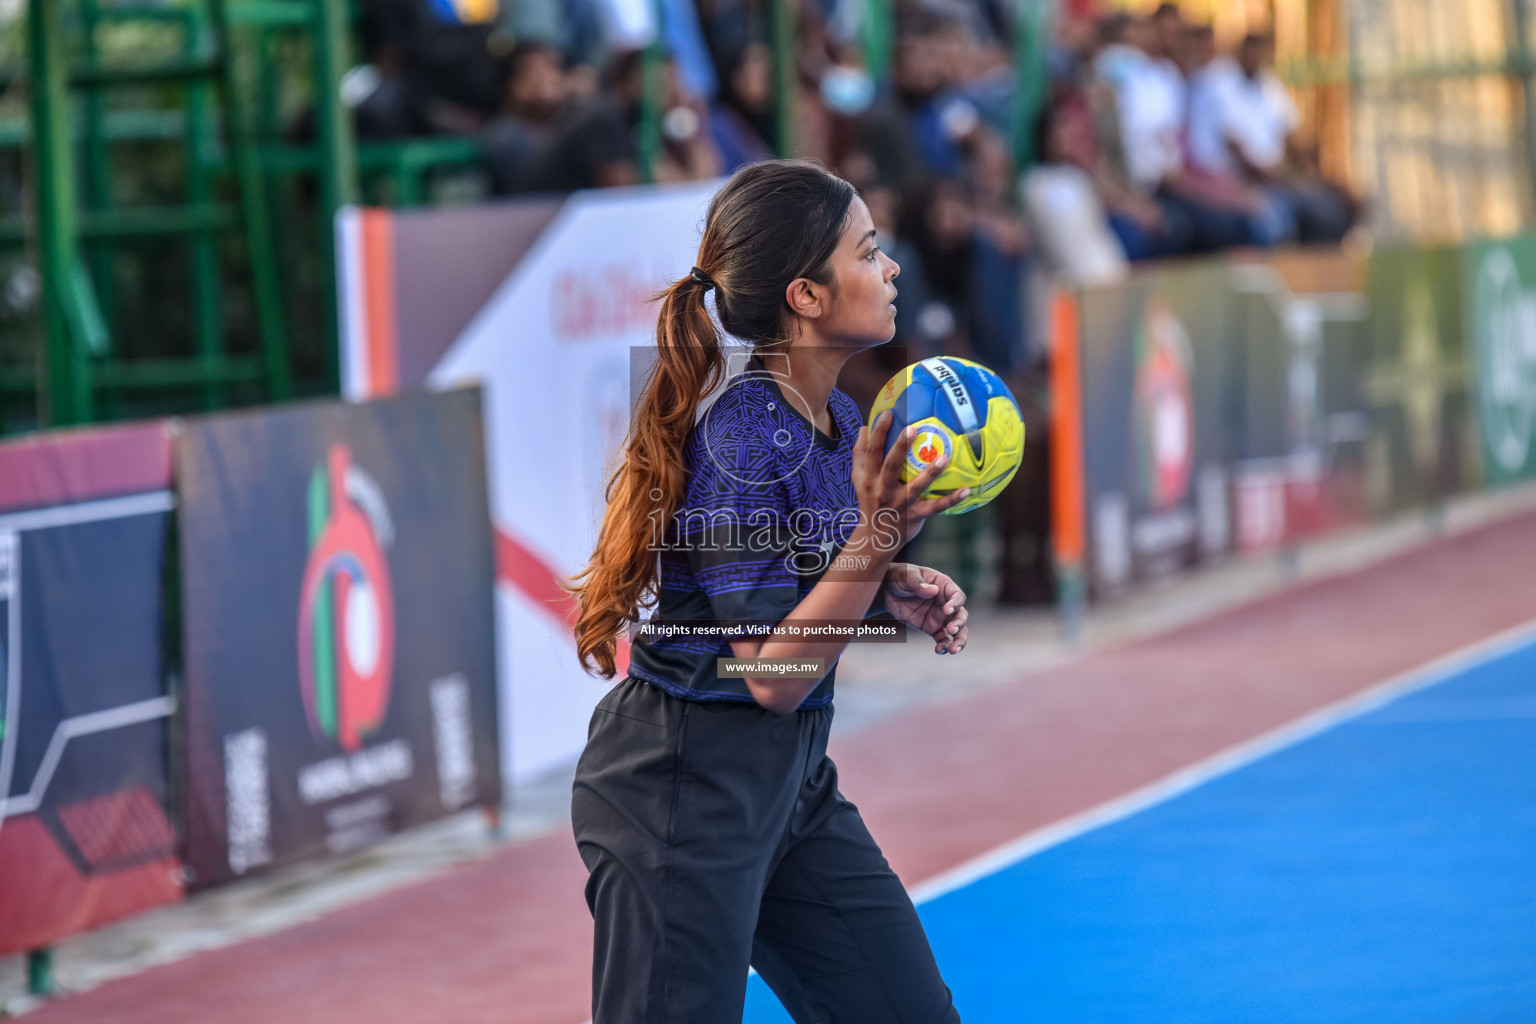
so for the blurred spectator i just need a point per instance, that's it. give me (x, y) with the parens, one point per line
(1257, 125)
(975, 270)
(982, 72)
(595, 144)
(535, 92)
(574, 27)
(1074, 44)
(385, 104)
(1149, 100)
(918, 129)
(436, 64)
(815, 53)
(1151, 107)
(741, 118)
(1147, 226)
(1213, 85)
(684, 41)
(1064, 202)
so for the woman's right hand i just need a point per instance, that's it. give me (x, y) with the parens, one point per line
(882, 494)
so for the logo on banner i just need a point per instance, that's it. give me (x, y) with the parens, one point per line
(1164, 408)
(346, 607)
(1504, 319)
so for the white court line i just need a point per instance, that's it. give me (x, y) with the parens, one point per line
(82, 725)
(89, 511)
(1225, 762)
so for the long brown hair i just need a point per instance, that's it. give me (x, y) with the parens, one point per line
(771, 223)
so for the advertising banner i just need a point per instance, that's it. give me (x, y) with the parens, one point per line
(338, 628)
(85, 833)
(1155, 356)
(1418, 379)
(1501, 326)
(1302, 426)
(541, 301)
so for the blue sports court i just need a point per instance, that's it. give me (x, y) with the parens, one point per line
(1385, 860)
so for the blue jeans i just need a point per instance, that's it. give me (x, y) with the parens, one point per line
(1141, 243)
(1215, 228)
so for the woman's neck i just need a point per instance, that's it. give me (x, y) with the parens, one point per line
(809, 372)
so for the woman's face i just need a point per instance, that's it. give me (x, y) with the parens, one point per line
(861, 310)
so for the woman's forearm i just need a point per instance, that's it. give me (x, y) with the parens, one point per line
(843, 594)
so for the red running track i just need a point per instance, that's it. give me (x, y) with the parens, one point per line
(505, 940)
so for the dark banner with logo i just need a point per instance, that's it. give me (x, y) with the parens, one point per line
(1155, 385)
(85, 833)
(337, 570)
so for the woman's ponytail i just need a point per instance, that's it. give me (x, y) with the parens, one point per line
(648, 484)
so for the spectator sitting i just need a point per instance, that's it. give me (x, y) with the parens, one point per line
(1260, 139)
(742, 117)
(514, 138)
(918, 131)
(1150, 101)
(975, 276)
(1063, 201)
(595, 145)
(1213, 112)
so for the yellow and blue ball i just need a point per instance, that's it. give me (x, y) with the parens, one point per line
(963, 410)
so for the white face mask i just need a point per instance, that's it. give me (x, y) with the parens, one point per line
(1115, 64)
(847, 91)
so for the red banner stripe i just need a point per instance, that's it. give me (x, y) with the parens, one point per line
(81, 465)
(521, 569)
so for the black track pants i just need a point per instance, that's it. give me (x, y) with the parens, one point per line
(716, 838)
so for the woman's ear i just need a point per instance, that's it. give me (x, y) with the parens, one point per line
(806, 298)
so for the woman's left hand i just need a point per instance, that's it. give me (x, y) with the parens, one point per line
(928, 600)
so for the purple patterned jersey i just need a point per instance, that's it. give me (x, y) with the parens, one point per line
(769, 502)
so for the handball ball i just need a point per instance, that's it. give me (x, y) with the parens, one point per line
(963, 410)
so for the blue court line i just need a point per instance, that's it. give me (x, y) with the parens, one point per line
(1381, 867)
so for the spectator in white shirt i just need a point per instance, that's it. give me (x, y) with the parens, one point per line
(1262, 140)
(1214, 113)
(1151, 100)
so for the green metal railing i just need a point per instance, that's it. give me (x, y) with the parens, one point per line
(80, 233)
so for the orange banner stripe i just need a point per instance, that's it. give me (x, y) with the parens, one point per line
(378, 257)
(1068, 516)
